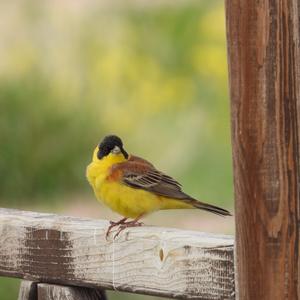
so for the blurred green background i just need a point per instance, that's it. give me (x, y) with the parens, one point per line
(153, 72)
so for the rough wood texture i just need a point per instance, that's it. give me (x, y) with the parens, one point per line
(149, 260)
(264, 69)
(59, 292)
(28, 290)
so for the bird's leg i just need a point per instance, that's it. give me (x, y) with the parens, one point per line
(122, 221)
(113, 224)
(133, 223)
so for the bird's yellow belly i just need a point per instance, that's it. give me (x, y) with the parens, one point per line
(127, 201)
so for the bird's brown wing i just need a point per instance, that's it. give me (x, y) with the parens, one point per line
(134, 158)
(140, 174)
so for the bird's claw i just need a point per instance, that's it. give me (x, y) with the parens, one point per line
(122, 225)
(127, 225)
(112, 225)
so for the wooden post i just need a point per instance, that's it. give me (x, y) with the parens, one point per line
(264, 71)
(55, 292)
(28, 290)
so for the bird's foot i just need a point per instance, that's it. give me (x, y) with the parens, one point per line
(125, 225)
(114, 224)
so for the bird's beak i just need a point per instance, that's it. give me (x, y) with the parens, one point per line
(116, 150)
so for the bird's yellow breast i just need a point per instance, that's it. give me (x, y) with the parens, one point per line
(127, 201)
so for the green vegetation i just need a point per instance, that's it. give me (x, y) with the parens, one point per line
(9, 288)
(155, 74)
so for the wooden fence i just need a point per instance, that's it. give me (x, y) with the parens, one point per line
(47, 248)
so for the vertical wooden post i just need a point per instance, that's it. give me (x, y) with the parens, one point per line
(28, 290)
(264, 70)
(59, 292)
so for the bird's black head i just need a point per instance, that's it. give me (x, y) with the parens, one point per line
(111, 144)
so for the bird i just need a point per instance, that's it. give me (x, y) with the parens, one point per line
(133, 187)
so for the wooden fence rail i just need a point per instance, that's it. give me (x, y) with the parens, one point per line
(72, 251)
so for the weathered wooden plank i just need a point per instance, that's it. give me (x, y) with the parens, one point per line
(60, 292)
(150, 260)
(28, 290)
(264, 54)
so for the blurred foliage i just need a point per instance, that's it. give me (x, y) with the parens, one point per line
(154, 74)
(72, 71)
(9, 288)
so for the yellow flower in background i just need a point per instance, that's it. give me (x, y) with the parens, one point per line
(210, 62)
(212, 25)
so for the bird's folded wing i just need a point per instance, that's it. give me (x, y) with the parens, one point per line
(140, 174)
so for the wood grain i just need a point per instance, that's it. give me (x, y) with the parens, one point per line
(149, 260)
(264, 55)
(59, 292)
(28, 290)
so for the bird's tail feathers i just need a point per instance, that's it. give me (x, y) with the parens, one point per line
(208, 207)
